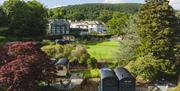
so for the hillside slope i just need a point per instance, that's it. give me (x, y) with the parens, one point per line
(92, 11)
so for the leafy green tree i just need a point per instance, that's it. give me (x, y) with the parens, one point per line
(117, 23)
(57, 13)
(129, 43)
(150, 68)
(77, 16)
(3, 22)
(157, 30)
(105, 16)
(93, 11)
(177, 47)
(26, 18)
(92, 63)
(3, 18)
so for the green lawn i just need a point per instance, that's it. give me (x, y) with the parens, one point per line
(103, 50)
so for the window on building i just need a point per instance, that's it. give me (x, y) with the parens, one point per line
(53, 29)
(58, 29)
(62, 29)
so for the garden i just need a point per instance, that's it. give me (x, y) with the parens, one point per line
(149, 48)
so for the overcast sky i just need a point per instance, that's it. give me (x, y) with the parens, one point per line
(55, 3)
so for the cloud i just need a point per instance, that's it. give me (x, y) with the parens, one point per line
(175, 3)
(1, 2)
(115, 1)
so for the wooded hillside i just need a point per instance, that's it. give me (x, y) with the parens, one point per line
(92, 11)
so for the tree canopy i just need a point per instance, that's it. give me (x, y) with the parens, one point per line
(57, 13)
(22, 65)
(157, 29)
(93, 11)
(26, 18)
(151, 68)
(129, 43)
(105, 16)
(3, 18)
(117, 23)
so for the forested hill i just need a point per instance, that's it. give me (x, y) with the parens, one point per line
(92, 11)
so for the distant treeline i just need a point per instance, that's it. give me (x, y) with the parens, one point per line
(92, 11)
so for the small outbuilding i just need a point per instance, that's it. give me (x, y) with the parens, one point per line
(108, 80)
(62, 67)
(126, 81)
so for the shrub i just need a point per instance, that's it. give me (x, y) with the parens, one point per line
(58, 51)
(112, 65)
(93, 73)
(26, 18)
(150, 68)
(47, 42)
(92, 63)
(53, 51)
(80, 54)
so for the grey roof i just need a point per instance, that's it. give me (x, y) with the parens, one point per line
(59, 22)
(86, 23)
(107, 73)
(122, 73)
(62, 61)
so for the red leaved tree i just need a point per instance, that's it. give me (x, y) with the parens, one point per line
(23, 64)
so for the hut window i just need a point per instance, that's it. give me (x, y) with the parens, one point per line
(59, 68)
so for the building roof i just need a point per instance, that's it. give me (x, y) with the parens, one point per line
(107, 73)
(87, 23)
(122, 73)
(62, 61)
(53, 60)
(59, 22)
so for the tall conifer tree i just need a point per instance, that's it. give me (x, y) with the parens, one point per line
(157, 29)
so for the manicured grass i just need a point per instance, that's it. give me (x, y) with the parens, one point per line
(103, 50)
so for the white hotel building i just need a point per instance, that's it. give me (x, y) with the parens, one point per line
(91, 26)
